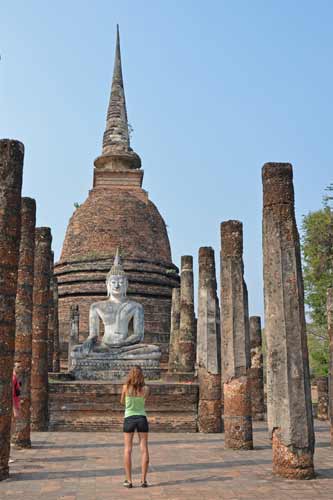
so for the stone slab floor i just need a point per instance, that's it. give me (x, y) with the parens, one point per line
(87, 466)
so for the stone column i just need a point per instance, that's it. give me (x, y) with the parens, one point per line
(174, 331)
(11, 167)
(289, 407)
(330, 360)
(56, 346)
(74, 333)
(256, 372)
(322, 389)
(187, 331)
(50, 325)
(208, 346)
(235, 339)
(39, 373)
(23, 336)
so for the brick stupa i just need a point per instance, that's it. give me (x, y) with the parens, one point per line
(117, 213)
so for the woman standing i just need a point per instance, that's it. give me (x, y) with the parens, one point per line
(134, 395)
(16, 402)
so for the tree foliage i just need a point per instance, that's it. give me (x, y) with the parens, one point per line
(318, 351)
(317, 249)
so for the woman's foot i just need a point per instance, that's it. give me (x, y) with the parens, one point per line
(127, 484)
(144, 484)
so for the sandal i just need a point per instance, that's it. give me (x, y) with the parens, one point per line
(127, 484)
(144, 484)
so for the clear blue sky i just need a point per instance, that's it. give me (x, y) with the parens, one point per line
(214, 89)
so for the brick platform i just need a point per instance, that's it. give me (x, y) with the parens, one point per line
(95, 406)
(82, 466)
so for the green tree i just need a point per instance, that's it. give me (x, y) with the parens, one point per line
(318, 351)
(317, 247)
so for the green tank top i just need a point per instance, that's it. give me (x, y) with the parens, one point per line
(134, 406)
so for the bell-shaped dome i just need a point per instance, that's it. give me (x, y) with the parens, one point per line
(112, 218)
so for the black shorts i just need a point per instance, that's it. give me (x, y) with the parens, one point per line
(136, 423)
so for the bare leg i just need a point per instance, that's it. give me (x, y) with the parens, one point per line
(144, 455)
(128, 444)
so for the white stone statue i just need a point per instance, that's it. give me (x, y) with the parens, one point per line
(123, 322)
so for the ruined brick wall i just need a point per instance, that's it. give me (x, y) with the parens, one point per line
(95, 406)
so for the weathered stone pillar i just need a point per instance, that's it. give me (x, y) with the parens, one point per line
(39, 373)
(50, 325)
(74, 333)
(235, 339)
(330, 362)
(208, 346)
(187, 331)
(174, 331)
(56, 346)
(289, 407)
(322, 389)
(23, 336)
(256, 372)
(11, 167)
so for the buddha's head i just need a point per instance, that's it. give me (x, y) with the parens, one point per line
(116, 280)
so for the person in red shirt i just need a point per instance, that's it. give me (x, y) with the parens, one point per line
(16, 391)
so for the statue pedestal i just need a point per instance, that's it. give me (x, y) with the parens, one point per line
(104, 366)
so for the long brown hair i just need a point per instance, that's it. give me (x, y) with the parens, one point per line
(135, 381)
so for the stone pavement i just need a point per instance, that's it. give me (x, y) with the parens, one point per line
(87, 466)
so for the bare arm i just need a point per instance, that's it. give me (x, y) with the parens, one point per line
(138, 327)
(123, 395)
(93, 322)
(147, 392)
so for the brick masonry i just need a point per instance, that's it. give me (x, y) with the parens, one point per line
(11, 168)
(235, 339)
(23, 314)
(256, 372)
(95, 406)
(39, 372)
(50, 325)
(174, 331)
(187, 323)
(208, 358)
(56, 346)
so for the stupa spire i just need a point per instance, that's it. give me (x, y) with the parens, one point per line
(118, 164)
(116, 136)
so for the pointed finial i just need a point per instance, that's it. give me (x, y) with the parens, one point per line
(116, 136)
(117, 258)
(117, 268)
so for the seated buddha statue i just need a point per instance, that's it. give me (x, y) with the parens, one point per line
(123, 321)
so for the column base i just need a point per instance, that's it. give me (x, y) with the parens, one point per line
(237, 414)
(4, 473)
(290, 464)
(209, 416)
